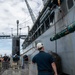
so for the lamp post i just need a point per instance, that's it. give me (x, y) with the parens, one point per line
(17, 26)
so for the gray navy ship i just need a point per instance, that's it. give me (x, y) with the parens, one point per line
(55, 28)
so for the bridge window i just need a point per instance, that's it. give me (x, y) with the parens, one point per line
(35, 27)
(47, 23)
(35, 35)
(70, 3)
(33, 38)
(52, 16)
(39, 32)
(42, 29)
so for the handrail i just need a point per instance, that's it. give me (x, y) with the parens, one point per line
(27, 51)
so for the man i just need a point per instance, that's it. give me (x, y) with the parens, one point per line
(6, 60)
(16, 58)
(45, 62)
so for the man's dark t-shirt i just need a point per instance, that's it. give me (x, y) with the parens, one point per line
(6, 58)
(44, 61)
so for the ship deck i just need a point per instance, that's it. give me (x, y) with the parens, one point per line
(6, 69)
(15, 72)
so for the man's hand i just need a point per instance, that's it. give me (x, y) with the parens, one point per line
(54, 68)
(55, 74)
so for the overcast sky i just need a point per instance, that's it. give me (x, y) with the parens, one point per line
(10, 11)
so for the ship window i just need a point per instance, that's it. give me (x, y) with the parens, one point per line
(70, 3)
(38, 24)
(35, 27)
(39, 32)
(52, 16)
(35, 35)
(33, 38)
(33, 31)
(47, 23)
(42, 29)
(64, 7)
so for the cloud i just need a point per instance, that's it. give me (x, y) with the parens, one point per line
(8, 52)
(12, 10)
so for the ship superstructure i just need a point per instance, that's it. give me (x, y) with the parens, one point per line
(52, 25)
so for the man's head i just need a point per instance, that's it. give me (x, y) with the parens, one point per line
(39, 46)
(4, 54)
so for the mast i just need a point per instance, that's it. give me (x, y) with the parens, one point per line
(31, 12)
(44, 2)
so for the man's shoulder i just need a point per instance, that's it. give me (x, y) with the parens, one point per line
(36, 55)
(48, 54)
(34, 58)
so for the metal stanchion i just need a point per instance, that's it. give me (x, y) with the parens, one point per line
(0, 66)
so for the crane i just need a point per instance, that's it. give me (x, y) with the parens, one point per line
(31, 12)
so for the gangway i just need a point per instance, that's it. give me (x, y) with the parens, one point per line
(9, 70)
(10, 37)
(5, 37)
(16, 72)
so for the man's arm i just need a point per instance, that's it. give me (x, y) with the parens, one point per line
(34, 60)
(54, 68)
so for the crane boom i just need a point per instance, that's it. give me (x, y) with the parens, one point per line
(31, 12)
